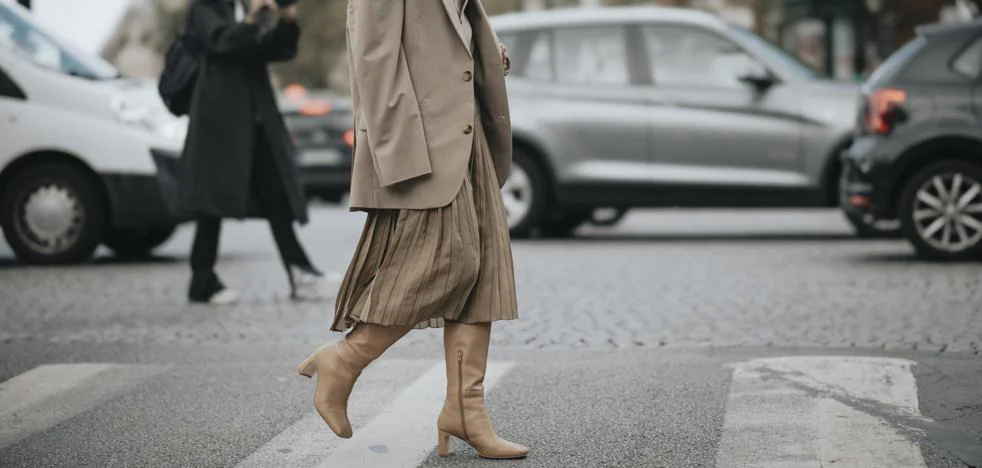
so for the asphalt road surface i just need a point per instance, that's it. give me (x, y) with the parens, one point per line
(679, 338)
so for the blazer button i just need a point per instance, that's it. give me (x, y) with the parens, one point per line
(468, 75)
(468, 129)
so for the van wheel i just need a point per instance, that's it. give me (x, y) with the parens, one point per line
(137, 242)
(524, 194)
(53, 214)
(941, 211)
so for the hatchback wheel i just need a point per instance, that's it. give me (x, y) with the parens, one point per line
(53, 214)
(524, 195)
(941, 210)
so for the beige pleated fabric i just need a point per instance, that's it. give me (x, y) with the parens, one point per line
(422, 267)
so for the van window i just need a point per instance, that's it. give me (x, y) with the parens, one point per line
(19, 34)
(9, 89)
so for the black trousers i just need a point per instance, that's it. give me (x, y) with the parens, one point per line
(274, 205)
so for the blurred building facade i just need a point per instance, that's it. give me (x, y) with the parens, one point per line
(849, 38)
(843, 38)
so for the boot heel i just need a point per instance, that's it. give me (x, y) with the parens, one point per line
(307, 367)
(443, 444)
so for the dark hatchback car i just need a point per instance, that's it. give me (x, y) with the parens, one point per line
(917, 155)
(321, 127)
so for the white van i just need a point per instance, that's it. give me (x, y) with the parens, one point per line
(86, 156)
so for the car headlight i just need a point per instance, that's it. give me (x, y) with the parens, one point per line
(146, 116)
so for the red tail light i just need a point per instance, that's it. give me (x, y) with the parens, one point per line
(349, 137)
(882, 109)
(315, 108)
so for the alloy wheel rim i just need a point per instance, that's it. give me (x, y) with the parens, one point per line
(50, 219)
(948, 212)
(517, 195)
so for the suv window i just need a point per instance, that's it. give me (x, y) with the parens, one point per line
(539, 66)
(969, 62)
(591, 56)
(685, 56)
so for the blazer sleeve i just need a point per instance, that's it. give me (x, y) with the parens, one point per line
(281, 43)
(219, 36)
(389, 107)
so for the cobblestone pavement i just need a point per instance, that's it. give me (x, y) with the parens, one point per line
(661, 279)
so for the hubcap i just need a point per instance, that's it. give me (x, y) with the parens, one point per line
(517, 195)
(948, 212)
(50, 219)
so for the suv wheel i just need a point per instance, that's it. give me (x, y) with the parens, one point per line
(941, 211)
(137, 242)
(564, 224)
(524, 195)
(53, 214)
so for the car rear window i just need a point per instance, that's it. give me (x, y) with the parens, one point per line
(968, 63)
(895, 63)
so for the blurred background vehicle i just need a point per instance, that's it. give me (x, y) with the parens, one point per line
(86, 155)
(321, 125)
(653, 106)
(918, 151)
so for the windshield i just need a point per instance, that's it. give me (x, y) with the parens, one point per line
(772, 53)
(25, 38)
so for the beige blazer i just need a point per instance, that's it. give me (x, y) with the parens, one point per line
(416, 85)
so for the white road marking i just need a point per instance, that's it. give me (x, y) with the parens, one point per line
(49, 394)
(819, 411)
(309, 440)
(403, 434)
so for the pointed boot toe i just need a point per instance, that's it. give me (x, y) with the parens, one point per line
(334, 383)
(464, 414)
(338, 366)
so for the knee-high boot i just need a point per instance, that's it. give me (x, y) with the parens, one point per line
(338, 366)
(464, 415)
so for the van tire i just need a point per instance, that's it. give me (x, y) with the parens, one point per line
(68, 189)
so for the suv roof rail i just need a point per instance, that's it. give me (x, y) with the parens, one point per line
(942, 28)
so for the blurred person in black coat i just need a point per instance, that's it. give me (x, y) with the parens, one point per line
(238, 157)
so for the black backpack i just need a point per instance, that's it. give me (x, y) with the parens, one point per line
(180, 73)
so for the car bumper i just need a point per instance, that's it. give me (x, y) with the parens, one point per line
(325, 172)
(865, 188)
(142, 201)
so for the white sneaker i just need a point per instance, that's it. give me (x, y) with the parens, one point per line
(306, 286)
(224, 297)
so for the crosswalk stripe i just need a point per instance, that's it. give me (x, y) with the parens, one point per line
(48, 394)
(405, 432)
(819, 411)
(401, 434)
(308, 441)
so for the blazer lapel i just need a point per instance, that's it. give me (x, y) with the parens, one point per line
(451, 7)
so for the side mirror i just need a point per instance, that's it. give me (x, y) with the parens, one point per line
(757, 75)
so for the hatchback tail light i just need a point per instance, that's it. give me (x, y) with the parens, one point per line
(349, 137)
(884, 109)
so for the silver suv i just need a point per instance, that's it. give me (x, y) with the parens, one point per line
(648, 106)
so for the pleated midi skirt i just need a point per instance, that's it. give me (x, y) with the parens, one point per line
(422, 267)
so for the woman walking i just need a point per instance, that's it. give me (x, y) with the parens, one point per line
(433, 147)
(238, 157)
